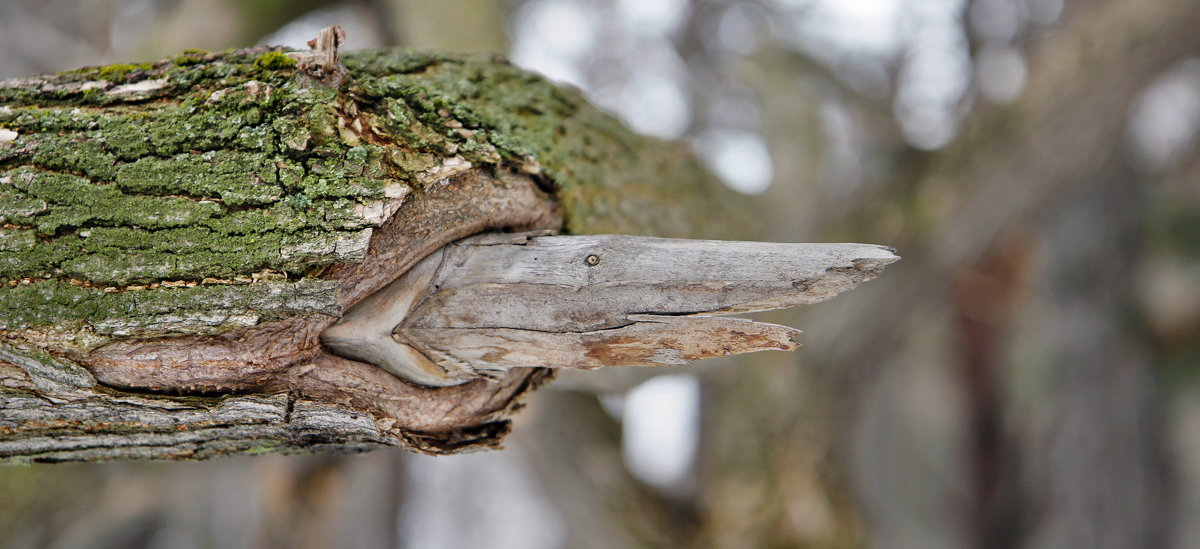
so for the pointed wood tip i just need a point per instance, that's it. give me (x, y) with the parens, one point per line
(490, 303)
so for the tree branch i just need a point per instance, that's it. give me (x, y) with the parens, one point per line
(175, 239)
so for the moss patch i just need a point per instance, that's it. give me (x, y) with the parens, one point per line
(160, 311)
(275, 60)
(118, 72)
(242, 167)
(608, 178)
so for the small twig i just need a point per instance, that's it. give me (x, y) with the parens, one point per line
(323, 63)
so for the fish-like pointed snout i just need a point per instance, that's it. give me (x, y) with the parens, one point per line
(492, 302)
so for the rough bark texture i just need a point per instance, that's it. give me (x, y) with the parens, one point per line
(174, 237)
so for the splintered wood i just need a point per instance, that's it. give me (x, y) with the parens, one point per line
(483, 305)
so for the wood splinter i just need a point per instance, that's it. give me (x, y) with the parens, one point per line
(485, 304)
(322, 62)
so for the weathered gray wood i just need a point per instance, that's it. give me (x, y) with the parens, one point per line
(489, 303)
(366, 335)
(648, 340)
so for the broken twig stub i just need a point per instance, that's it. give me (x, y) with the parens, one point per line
(489, 303)
(322, 63)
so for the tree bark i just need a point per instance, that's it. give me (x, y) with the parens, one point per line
(215, 212)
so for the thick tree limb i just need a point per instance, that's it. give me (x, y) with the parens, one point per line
(176, 237)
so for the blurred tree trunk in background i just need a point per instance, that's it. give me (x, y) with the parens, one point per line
(449, 25)
(1060, 445)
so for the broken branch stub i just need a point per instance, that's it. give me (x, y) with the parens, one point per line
(177, 236)
(486, 304)
(322, 62)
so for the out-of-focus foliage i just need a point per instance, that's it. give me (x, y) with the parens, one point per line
(1025, 377)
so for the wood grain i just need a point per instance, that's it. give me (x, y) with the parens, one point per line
(489, 303)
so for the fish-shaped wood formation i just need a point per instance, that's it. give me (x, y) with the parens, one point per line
(268, 250)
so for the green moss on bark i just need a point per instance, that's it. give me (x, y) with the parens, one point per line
(224, 166)
(608, 178)
(68, 308)
(275, 60)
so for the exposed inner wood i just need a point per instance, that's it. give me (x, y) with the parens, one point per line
(322, 63)
(489, 303)
(649, 340)
(367, 336)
